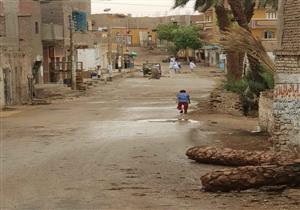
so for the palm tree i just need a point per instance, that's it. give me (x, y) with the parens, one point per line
(242, 11)
(268, 3)
(224, 22)
(203, 5)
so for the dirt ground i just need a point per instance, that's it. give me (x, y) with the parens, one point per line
(122, 147)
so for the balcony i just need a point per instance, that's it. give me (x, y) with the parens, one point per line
(263, 23)
(204, 25)
(52, 32)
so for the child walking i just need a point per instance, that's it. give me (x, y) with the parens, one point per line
(183, 100)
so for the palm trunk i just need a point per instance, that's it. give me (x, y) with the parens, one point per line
(222, 16)
(187, 55)
(233, 64)
(230, 157)
(238, 10)
(243, 178)
(243, 16)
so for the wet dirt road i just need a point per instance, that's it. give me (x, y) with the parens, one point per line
(121, 147)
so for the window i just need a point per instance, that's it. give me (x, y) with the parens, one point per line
(269, 35)
(37, 30)
(208, 18)
(271, 15)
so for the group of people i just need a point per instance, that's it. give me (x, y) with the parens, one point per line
(176, 66)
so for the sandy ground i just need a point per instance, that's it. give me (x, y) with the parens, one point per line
(123, 147)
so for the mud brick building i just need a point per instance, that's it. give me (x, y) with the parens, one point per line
(20, 49)
(287, 81)
(56, 34)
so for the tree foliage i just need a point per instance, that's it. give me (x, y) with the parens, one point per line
(186, 37)
(183, 37)
(164, 31)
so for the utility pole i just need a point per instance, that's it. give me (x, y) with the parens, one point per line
(72, 57)
(109, 45)
(109, 54)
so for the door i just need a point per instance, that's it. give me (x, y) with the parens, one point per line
(7, 86)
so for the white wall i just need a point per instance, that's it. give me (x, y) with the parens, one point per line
(89, 57)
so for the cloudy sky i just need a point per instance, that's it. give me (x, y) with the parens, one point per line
(141, 7)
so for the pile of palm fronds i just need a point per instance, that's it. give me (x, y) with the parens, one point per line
(240, 40)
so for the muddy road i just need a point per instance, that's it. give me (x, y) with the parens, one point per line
(120, 147)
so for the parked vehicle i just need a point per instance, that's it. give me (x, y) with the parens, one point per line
(148, 69)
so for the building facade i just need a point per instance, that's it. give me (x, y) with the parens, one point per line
(20, 49)
(57, 17)
(286, 106)
(140, 31)
(264, 27)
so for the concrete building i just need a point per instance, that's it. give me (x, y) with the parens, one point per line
(56, 17)
(264, 27)
(286, 104)
(20, 49)
(100, 21)
(138, 30)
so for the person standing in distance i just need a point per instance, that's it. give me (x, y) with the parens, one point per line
(192, 66)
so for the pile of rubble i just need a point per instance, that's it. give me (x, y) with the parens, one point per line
(226, 102)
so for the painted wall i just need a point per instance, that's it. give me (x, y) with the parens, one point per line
(287, 79)
(260, 24)
(89, 57)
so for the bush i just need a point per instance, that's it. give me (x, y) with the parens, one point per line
(249, 90)
(269, 79)
(237, 86)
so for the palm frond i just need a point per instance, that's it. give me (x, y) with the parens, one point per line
(268, 3)
(180, 3)
(203, 5)
(200, 5)
(240, 40)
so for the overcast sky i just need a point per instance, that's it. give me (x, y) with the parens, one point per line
(141, 7)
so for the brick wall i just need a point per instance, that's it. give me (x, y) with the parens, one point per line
(266, 117)
(286, 104)
(29, 24)
(291, 21)
(226, 102)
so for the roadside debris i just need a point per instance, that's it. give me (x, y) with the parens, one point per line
(247, 177)
(256, 168)
(230, 157)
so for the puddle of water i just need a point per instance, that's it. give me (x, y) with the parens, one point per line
(97, 102)
(150, 108)
(175, 120)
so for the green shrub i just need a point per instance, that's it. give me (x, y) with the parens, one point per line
(268, 78)
(249, 89)
(237, 86)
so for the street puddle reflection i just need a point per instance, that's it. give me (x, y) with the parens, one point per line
(175, 120)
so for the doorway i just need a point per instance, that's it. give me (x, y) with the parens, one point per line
(7, 86)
